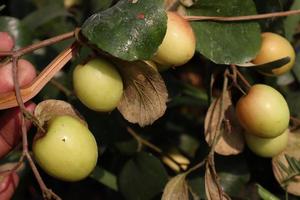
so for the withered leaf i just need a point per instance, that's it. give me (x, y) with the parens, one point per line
(47, 109)
(280, 164)
(145, 93)
(211, 187)
(176, 189)
(231, 140)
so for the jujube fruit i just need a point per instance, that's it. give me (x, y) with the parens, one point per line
(267, 147)
(98, 85)
(68, 151)
(263, 111)
(179, 43)
(275, 47)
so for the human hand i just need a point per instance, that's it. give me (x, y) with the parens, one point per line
(10, 129)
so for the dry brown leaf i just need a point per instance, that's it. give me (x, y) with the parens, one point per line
(47, 109)
(292, 150)
(176, 189)
(211, 188)
(145, 93)
(231, 140)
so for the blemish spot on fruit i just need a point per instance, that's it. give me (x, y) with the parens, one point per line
(64, 140)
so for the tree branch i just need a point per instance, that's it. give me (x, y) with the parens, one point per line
(242, 18)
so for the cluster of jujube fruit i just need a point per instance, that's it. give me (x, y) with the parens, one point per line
(263, 112)
(99, 86)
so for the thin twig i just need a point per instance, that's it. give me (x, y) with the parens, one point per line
(197, 166)
(44, 43)
(61, 87)
(235, 83)
(143, 141)
(152, 146)
(47, 193)
(242, 18)
(241, 77)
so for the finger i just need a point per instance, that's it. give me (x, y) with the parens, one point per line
(7, 42)
(10, 128)
(26, 73)
(8, 185)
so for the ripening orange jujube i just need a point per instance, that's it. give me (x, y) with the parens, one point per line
(179, 43)
(275, 47)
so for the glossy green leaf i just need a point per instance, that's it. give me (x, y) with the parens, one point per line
(226, 42)
(130, 30)
(105, 177)
(20, 32)
(142, 177)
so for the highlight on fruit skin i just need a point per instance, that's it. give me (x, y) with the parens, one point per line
(98, 85)
(68, 151)
(275, 47)
(179, 43)
(267, 147)
(263, 111)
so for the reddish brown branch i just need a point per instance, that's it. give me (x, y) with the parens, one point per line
(44, 43)
(15, 55)
(242, 18)
(47, 193)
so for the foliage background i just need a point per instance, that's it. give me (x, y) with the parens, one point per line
(122, 172)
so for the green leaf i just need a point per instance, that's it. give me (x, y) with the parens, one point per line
(233, 179)
(142, 177)
(291, 23)
(105, 177)
(176, 189)
(53, 11)
(198, 186)
(265, 194)
(20, 32)
(130, 30)
(226, 42)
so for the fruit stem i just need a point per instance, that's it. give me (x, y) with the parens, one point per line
(238, 74)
